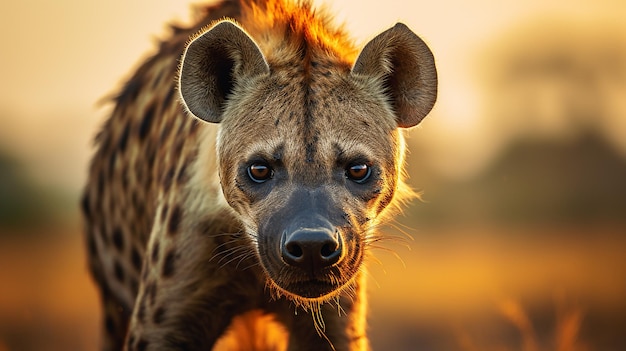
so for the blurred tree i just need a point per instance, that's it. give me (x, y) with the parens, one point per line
(22, 203)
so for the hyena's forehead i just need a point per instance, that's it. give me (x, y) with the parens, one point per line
(313, 118)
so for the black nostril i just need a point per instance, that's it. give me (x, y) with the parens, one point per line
(294, 249)
(311, 249)
(328, 249)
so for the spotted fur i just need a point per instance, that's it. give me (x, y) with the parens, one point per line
(184, 246)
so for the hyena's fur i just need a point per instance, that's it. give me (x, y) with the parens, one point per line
(182, 242)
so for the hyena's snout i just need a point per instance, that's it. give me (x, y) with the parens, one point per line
(311, 243)
(309, 248)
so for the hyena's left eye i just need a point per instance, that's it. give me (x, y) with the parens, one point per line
(359, 172)
(260, 172)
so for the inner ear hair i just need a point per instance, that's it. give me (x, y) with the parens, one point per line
(404, 64)
(212, 63)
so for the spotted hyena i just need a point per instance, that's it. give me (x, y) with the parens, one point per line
(241, 178)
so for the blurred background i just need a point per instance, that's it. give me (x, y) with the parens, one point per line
(519, 242)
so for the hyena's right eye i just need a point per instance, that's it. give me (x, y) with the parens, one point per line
(359, 172)
(260, 172)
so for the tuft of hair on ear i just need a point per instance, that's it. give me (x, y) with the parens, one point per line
(405, 67)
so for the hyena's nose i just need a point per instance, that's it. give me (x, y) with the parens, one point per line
(311, 249)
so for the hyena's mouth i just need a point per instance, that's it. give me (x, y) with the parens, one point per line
(317, 288)
(320, 265)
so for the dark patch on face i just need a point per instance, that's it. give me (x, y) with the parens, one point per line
(278, 153)
(119, 271)
(157, 318)
(174, 223)
(311, 147)
(155, 252)
(135, 259)
(168, 264)
(386, 200)
(276, 122)
(118, 239)
(146, 122)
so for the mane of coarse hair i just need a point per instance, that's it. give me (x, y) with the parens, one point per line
(284, 28)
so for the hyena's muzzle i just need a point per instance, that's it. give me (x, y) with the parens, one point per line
(308, 247)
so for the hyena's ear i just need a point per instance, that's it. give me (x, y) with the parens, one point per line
(212, 65)
(402, 62)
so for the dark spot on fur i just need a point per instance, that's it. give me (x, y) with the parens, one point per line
(130, 342)
(141, 312)
(151, 292)
(151, 157)
(276, 122)
(103, 235)
(125, 179)
(91, 245)
(123, 141)
(144, 273)
(165, 131)
(109, 325)
(174, 223)
(146, 122)
(135, 258)
(129, 93)
(119, 271)
(164, 211)
(134, 286)
(181, 178)
(85, 206)
(157, 318)
(278, 153)
(168, 99)
(168, 264)
(101, 181)
(112, 163)
(118, 239)
(193, 127)
(155, 252)
(142, 345)
(167, 179)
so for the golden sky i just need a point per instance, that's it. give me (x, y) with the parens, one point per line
(61, 57)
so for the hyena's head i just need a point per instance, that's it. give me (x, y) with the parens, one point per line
(310, 148)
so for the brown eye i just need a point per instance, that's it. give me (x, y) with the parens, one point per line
(259, 172)
(358, 172)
